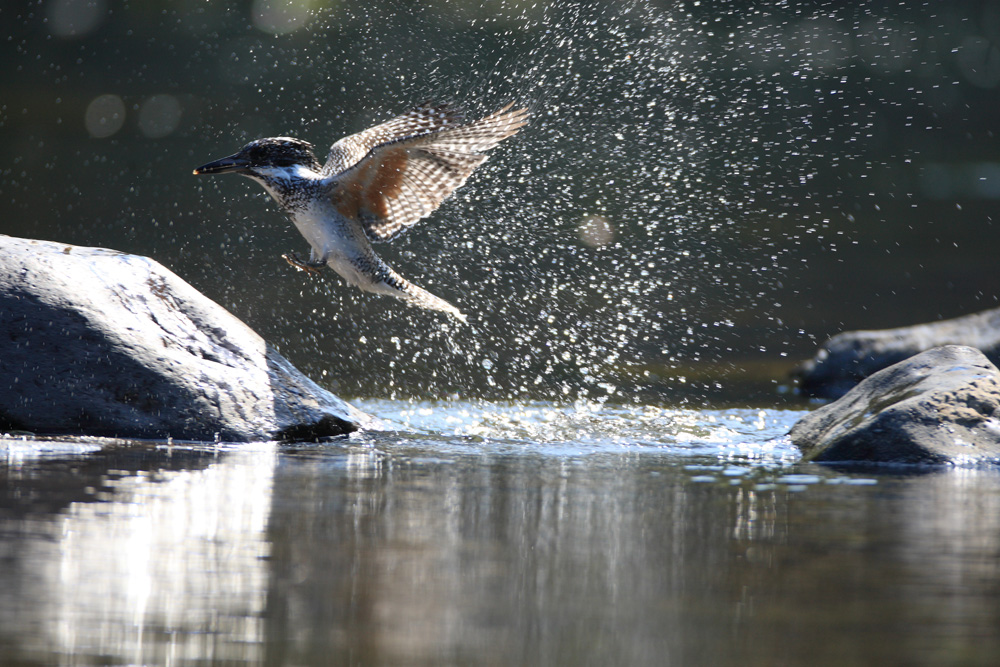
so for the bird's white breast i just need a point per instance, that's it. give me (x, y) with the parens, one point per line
(318, 223)
(338, 241)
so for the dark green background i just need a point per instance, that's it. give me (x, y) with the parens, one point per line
(774, 173)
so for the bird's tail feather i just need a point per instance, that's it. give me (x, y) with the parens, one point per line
(418, 296)
(401, 288)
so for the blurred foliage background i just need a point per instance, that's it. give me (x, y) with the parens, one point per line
(706, 188)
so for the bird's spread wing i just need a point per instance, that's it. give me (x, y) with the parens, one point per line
(426, 118)
(399, 172)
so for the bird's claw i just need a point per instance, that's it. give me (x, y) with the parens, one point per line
(301, 264)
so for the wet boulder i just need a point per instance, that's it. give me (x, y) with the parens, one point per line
(940, 406)
(849, 357)
(98, 342)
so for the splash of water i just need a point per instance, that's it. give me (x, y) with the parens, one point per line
(643, 217)
(757, 437)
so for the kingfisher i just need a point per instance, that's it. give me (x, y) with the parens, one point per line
(374, 185)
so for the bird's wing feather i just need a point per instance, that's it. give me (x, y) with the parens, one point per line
(407, 172)
(426, 118)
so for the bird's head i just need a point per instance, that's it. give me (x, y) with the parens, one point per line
(265, 157)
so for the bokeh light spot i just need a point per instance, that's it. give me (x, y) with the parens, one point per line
(595, 231)
(979, 61)
(280, 17)
(105, 115)
(159, 116)
(75, 18)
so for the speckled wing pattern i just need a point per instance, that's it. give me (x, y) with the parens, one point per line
(392, 175)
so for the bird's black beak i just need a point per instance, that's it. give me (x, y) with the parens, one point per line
(231, 164)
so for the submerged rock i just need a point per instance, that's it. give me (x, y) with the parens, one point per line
(849, 357)
(98, 342)
(940, 406)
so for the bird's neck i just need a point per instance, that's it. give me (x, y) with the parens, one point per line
(292, 187)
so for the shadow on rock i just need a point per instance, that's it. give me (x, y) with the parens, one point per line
(940, 406)
(101, 343)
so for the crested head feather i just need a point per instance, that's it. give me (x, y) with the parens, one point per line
(280, 152)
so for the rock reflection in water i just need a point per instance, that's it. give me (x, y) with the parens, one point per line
(905, 572)
(151, 561)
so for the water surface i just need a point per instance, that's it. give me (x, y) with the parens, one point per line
(473, 533)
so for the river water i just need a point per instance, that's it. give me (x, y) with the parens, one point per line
(472, 533)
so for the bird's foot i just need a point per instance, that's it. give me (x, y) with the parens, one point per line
(303, 265)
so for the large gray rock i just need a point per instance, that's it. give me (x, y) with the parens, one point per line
(940, 406)
(849, 357)
(97, 342)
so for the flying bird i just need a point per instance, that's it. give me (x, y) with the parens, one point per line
(375, 185)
